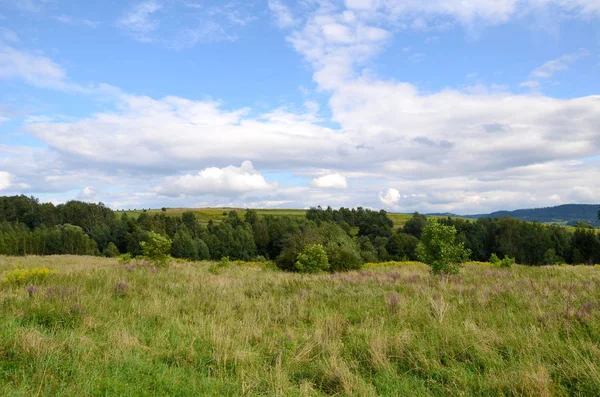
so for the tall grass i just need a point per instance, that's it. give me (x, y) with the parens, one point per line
(103, 328)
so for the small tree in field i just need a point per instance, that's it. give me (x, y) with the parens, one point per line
(157, 248)
(312, 259)
(438, 248)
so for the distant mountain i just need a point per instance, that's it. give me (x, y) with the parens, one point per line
(568, 214)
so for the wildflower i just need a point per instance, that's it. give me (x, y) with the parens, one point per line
(121, 288)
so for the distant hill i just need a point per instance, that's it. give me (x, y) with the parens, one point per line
(568, 214)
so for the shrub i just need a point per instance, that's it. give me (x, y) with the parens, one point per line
(124, 259)
(157, 248)
(24, 276)
(494, 260)
(216, 267)
(111, 251)
(440, 250)
(342, 257)
(507, 262)
(312, 259)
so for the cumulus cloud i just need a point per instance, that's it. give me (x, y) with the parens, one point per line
(200, 133)
(226, 181)
(390, 198)
(330, 181)
(453, 150)
(5, 180)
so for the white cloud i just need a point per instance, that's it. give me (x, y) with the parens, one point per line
(549, 68)
(532, 84)
(471, 150)
(330, 181)
(226, 181)
(139, 20)
(5, 180)
(199, 134)
(88, 193)
(390, 198)
(37, 70)
(184, 24)
(282, 14)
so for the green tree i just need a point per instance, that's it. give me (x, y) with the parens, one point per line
(157, 248)
(438, 248)
(111, 251)
(184, 246)
(312, 259)
(415, 225)
(402, 246)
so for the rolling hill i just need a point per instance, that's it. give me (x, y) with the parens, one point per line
(568, 214)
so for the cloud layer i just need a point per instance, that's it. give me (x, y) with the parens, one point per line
(461, 150)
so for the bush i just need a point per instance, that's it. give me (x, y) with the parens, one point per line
(216, 267)
(440, 250)
(111, 251)
(494, 260)
(507, 262)
(157, 248)
(312, 259)
(343, 257)
(124, 259)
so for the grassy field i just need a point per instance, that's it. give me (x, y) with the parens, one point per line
(98, 327)
(218, 214)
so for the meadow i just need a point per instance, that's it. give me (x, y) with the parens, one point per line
(204, 215)
(95, 326)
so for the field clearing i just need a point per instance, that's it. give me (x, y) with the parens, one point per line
(103, 328)
(204, 215)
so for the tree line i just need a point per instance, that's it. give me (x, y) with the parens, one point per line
(348, 237)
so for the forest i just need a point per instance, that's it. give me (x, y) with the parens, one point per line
(350, 237)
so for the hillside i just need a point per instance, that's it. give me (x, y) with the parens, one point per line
(567, 214)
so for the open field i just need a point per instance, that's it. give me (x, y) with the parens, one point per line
(218, 214)
(102, 328)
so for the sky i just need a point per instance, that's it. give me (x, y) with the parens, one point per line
(463, 106)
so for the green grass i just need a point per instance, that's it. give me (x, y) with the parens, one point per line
(218, 214)
(102, 328)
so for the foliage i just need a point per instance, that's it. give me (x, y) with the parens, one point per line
(507, 262)
(124, 259)
(312, 259)
(415, 225)
(438, 248)
(217, 267)
(494, 260)
(111, 251)
(157, 249)
(402, 246)
(28, 227)
(28, 276)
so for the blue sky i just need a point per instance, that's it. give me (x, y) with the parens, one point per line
(405, 105)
